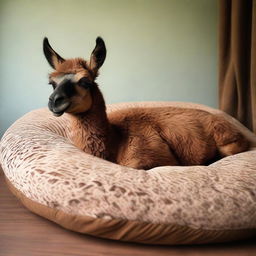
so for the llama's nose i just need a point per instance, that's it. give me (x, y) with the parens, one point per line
(57, 99)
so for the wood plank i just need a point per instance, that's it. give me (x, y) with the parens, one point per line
(23, 233)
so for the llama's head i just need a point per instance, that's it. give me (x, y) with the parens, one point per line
(73, 79)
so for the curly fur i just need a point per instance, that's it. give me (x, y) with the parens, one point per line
(144, 138)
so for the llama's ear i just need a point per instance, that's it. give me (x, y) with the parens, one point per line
(98, 55)
(53, 58)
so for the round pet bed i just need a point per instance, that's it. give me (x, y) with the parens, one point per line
(165, 205)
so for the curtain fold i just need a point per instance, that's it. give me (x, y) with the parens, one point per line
(237, 60)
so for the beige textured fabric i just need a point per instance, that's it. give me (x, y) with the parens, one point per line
(132, 231)
(45, 167)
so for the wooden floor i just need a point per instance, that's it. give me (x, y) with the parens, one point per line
(23, 233)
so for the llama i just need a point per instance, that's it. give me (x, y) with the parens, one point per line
(140, 138)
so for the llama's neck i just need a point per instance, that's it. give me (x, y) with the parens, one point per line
(89, 131)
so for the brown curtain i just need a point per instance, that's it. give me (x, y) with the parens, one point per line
(237, 60)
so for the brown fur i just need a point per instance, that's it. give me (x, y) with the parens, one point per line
(146, 137)
(149, 137)
(73, 66)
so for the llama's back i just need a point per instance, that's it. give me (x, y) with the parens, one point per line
(193, 136)
(166, 131)
(159, 114)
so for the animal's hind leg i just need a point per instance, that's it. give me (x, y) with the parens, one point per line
(228, 139)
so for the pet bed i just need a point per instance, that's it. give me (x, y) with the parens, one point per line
(164, 205)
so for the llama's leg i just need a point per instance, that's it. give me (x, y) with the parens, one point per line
(148, 160)
(145, 163)
(189, 145)
(228, 139)
(146, 154)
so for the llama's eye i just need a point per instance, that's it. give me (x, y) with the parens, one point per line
(53, 84)
(85, 83)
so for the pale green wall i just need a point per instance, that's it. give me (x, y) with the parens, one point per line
(157, 49)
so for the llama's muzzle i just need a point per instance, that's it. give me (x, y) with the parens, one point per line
(58, 104)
